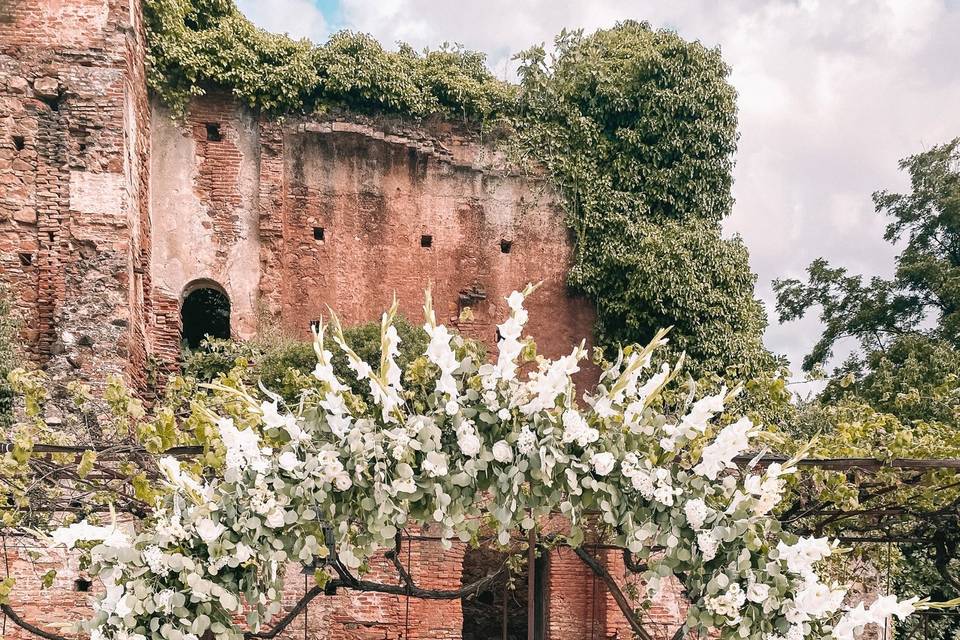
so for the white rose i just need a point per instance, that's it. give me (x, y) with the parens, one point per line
(275, 518)
(502, 452)
(757, 592)
(288, 461)
(603, 463)
(503, 414)
(469, 443)
(243, 552)
(342, 482)
(208, 530)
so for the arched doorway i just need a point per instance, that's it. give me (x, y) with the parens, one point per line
(205, 311)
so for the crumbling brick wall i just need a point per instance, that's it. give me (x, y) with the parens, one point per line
(292, 217)
(73, 146)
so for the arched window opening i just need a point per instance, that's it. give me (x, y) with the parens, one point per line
(205, 312)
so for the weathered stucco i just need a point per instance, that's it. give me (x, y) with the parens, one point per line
(242, 211)
(196, 234)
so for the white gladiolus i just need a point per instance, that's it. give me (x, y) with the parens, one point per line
(83, 531)
(719, 454)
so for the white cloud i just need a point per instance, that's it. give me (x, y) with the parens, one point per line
(832, 93)
(298, 18)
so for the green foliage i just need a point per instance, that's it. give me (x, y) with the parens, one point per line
(637, 129)
(922, 298)
(283, 366)
(897, 395)
(916, 378)
(9, 354)
(195, 45)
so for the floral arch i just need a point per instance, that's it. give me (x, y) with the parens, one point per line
(466, 446)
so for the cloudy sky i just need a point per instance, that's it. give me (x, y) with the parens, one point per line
(831, 94)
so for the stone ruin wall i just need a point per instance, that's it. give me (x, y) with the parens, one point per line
(110, 211)
(243, 210)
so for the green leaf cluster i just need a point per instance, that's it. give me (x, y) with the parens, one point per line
(283, 365)
(636, 127)
(196, 45)
(10, 356)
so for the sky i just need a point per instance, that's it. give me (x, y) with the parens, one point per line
(831, 94)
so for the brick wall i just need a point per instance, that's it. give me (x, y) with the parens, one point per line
(244, 210)
(73, 146)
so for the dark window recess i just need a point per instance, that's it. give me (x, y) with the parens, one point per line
(82, 584)
(505, 246)
(213, 132)
(26, 259)
(314, 325)
(426, 241)
(205, 313)
(318, 233)
(18, 143)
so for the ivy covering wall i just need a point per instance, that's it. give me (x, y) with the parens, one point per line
(635, 127)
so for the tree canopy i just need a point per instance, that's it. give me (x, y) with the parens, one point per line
(898, 393)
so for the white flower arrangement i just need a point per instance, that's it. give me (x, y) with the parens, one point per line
(489, 444)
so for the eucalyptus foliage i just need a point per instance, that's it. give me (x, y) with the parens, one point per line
(461, 445)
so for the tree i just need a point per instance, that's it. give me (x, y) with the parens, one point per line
(637, 129)
(898, 394)
(922, 299)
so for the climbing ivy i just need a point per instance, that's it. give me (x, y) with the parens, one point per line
(195, 45)
(635, 127)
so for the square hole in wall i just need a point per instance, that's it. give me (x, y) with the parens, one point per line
(213, 132)
(314, 325)
(318, 234)
(505, 246)
(26, 259)
(18, 142)
(426, 241)
(82, 584)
